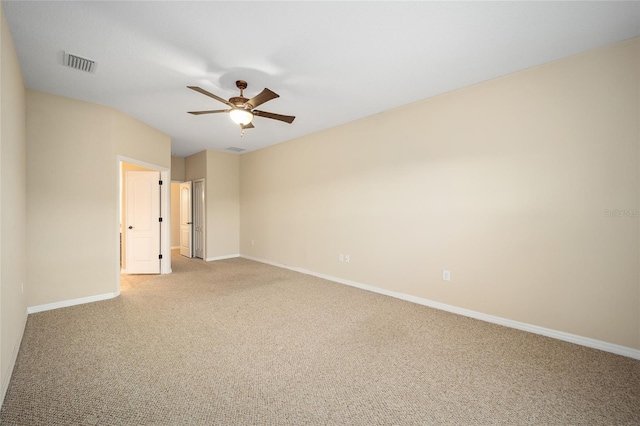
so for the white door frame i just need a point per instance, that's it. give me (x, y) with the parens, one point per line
(165, 209)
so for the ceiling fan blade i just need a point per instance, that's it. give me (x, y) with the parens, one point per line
(247, 126)
(286, 118)
(211, 95)
(262, 97)
(213, 111)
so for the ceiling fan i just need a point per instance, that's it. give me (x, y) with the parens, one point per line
(241, 109)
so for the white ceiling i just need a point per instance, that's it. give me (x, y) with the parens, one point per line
(331, 62)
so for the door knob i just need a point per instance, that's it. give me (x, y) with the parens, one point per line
(189, 223)
(130, 227)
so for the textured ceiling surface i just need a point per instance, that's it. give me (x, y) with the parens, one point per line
(331, 62)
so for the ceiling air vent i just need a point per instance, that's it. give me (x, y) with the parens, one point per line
(235, 149)
(79, 63)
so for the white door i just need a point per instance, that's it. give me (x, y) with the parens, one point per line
(186, 220)
(142, 225)
(198, 218)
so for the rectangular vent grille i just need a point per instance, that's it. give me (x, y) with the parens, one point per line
(235, 149)
(82, 64)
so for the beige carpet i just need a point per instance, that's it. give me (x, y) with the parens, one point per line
(236, 342)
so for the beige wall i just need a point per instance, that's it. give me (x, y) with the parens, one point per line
(177, 169)
(175, 214)
(222, 199)
(504, 183)
(134, 139)
(177, 175)
(222, 189)
(72, 221)
(13, 272)
(195, 166)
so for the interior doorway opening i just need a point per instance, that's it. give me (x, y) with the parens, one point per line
(199, 222)
(190, 234)
(158, 222)
(185, 238)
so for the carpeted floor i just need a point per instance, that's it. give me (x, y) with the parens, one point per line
(236, 342)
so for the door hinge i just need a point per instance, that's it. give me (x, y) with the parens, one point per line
(159, 256)
(159, 182)
(159, 219)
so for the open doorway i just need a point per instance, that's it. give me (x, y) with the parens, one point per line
(144, 218)
(188, 233)
(186, 219)
(199, 219)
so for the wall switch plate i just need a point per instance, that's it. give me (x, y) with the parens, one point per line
(446, 275)
(341, 257)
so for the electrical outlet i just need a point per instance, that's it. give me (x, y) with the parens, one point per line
(446, 275)
(346, 258)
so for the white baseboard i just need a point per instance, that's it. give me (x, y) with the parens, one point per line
(67, 303)
(14, 357)
(229, 256)
(560, 335)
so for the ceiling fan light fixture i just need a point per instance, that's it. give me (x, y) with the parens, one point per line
(241, 116)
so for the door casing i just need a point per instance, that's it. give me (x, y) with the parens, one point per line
(165, 211)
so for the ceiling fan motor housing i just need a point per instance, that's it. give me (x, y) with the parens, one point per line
(239, 101)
